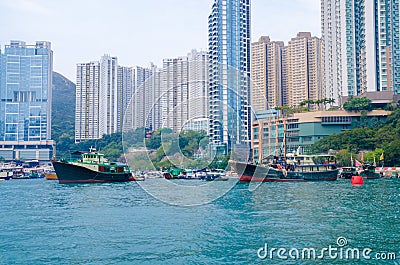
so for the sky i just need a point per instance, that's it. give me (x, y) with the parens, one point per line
(138, 32)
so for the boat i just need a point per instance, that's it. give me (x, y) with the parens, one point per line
(173, 173)
(50, 174)
(6, 173)
(368, 172)
(292, 168)
(19, 173)
(215, 175)
(348, 172)
(34, 173)
(91, 167)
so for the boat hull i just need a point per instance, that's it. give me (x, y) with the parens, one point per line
(71, 173)
(256, 173)
(50, 176)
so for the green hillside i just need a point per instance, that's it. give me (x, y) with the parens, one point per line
(63, 112)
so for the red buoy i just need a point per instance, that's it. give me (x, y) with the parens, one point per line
(357, 180)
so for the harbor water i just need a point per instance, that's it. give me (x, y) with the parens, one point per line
(43, 222)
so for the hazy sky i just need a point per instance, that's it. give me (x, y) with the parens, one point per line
(138, 31)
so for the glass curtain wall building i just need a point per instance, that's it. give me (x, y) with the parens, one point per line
(25, 93)
(229, 71)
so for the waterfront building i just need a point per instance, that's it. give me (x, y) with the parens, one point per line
(87, 116)
(229, 71)
(26, 73)
(275, 134)
(361, 47)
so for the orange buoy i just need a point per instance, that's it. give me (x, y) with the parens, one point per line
(357, 180)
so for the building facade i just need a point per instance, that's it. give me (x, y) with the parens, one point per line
(361, 46)
(175, 93)
(304, 75)
(276, 135)
(103, 98)
(26, 73)
(266, 74)
(229, 71)
(108, 104)
(125, 93)
(87, 115)
(198, 99)
(143, 97)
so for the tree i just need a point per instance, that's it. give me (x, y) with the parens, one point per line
(358, 104)
(344, 158)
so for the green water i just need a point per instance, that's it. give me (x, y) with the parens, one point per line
(43, 222)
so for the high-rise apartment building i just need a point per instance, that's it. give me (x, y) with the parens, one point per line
(108, 107)
(182, 92)
(198, 85)
(144, 98)
(361, 46)
(126, 89)
(98, 99)
(174, 93)
(26, 73)
(87, 116)
(266, 74)
(229, 70)
(304, 75)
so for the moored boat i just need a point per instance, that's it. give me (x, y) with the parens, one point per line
(50, 174)
(295, 168)
(348, 172)
(6, 173)
(92, 167)
(369, 172)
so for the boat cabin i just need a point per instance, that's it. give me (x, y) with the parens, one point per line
(310, 159)
(93, 158)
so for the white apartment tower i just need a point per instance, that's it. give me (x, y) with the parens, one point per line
(125, 83)
(174, 93)
(198, 85)
(361, 46)
(98, 99)
(108, 95)
(87, 101)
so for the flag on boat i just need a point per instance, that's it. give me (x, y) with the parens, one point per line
(381, 157)
(357, 163)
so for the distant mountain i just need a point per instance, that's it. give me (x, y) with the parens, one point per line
(63, 109)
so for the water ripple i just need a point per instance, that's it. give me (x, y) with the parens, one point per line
(44, 222)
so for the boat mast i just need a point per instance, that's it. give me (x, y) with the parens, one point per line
(284, 137)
